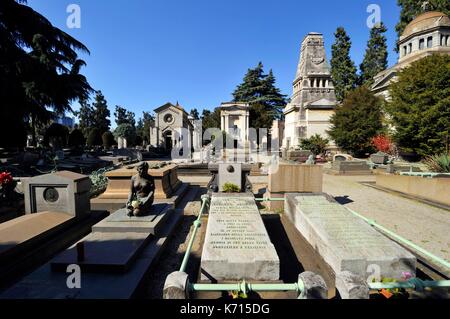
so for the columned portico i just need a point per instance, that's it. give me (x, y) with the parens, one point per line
(235, 120)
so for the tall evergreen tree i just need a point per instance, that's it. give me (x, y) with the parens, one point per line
(101, 113)
(375, 59)
(194, 113)
(265, 99)
(420, 106)
(343, 70)
(211, 119)
(356, 121)
(144, 124)
(39, 71)
(86, 117)
(123, 116)
(412, 8)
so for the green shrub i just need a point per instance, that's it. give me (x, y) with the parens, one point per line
(438, 163)
(316, 144)
(108, 139)
(94, 138)
(126, 131)
(231, 188)
(99, 182)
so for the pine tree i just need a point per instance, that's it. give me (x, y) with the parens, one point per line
(123, 116)
(143, 126)
(357, 121)
(420, 106)
(101, 113)
(375, 59)
(194, 113)
(39, 71)
(343, 70)
(265, 99)
(211, 119)
(410, 9)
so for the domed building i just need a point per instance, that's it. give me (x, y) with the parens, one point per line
(427, 34)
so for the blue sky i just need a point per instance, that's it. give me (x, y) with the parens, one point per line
(145, 53)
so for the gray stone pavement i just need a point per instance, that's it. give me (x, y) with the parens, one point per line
(424, 225)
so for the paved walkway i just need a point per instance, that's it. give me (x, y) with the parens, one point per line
(424, 225)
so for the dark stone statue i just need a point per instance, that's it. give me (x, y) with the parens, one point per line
(142, 192)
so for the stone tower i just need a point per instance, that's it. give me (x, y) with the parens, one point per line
(313, 100)
(313, 78)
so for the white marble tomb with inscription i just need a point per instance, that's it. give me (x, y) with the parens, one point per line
(237, 245)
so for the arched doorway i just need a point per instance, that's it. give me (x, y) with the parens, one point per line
(168, 140)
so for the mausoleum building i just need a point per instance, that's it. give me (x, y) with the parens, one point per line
(170, 120)
(313, 101)
(235, 119)
(427, 34)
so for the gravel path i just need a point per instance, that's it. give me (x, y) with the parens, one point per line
(424, 225)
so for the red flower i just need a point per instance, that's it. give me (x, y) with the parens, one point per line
(5, 178)
(382, 143)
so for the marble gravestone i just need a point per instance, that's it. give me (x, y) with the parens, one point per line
(237, 245)
(345, 241)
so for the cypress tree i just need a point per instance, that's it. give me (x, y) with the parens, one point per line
(343, 70)
(375, 59)
(101, 113)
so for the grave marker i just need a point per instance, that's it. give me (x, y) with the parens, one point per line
(237, 245)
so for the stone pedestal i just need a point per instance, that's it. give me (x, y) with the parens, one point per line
(345, 241)
(235, 173)
(176, 286)
(166, 182)
(237, 245)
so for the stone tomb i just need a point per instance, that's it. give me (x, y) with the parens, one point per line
(166, 182)
(64, 192)
(116, 241)
(292, 178)
(57, 213)
(345, 241)
(237, 245)
(350, 168)
(167, 186)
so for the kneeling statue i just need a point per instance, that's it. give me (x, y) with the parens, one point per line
(142, 192)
